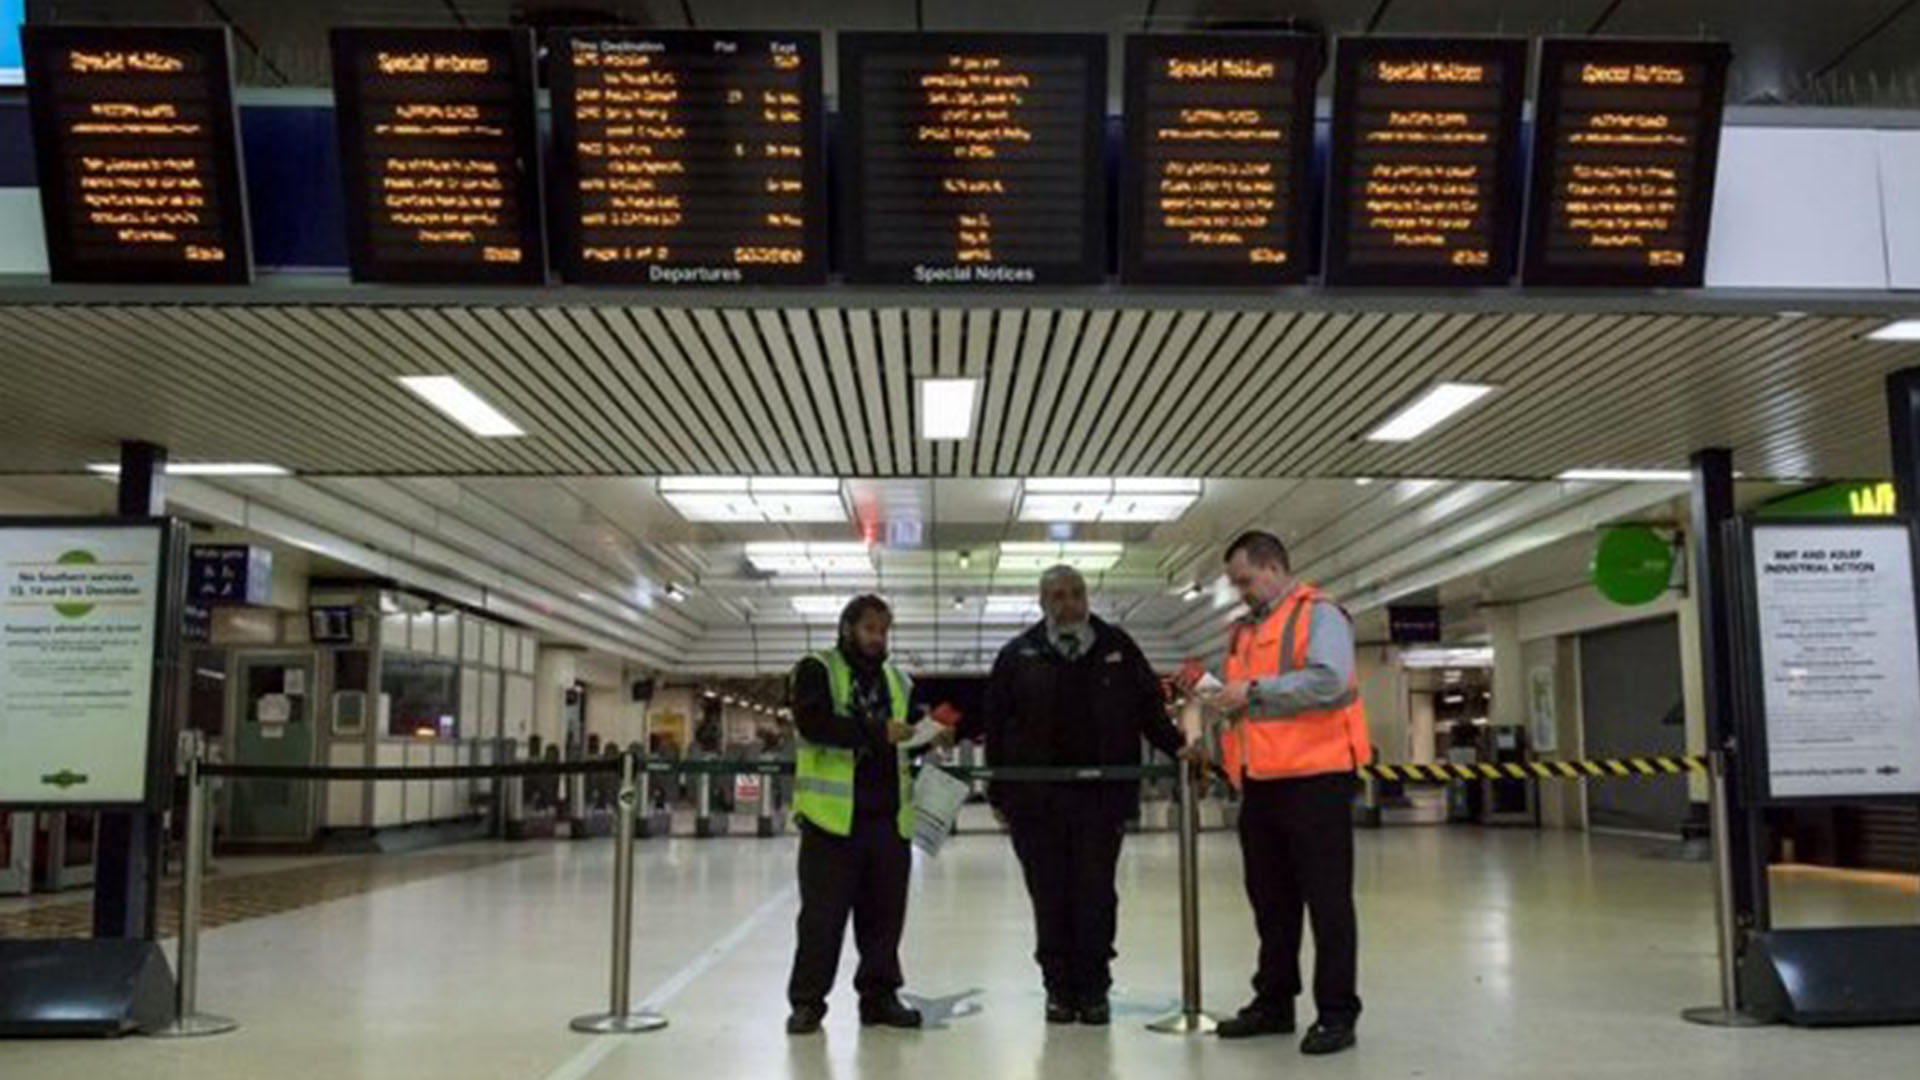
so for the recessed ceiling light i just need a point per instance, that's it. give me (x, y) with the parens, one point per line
(783, 557)
(1428, 411)
(461, 405)
(1089, 556)
(203, 468)
(1898, 330)
(1469, 657)
(1128, 499)
(1629, 476)
(1362, 481)
(821, 606)
(946, 408)
(740, 499)
(1011, 607)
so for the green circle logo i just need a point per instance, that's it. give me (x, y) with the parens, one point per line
(1632, 565)
(76, 557)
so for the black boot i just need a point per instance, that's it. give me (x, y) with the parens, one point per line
(805, 1019)
(1256, 1020)
(1328, 1037)
(1059, 1011)
(1096, 1013)
(888, 1011)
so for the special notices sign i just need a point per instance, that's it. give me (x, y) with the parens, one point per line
(440, 155)
(975, 159)
(1839, 660)
(1219, 143)
(139, 166)
(79, 611)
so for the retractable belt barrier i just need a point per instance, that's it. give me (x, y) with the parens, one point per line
(621, 1018)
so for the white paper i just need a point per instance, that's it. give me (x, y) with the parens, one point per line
(1207, 686)
(1839, 660)
(924, 732)
(937, 798)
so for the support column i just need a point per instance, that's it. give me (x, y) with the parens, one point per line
(1903, 427)
(1712, 506)
(126, 878)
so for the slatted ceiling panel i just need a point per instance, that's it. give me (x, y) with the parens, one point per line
(774, 344)
(777, 411)
(725, 380)
(715, 412)
(1035, 342)
(594, 348)
(1180, 353)
(920, 362)
(1335, 337)
(1339, 401)
(1130, 357)
(1062, 343)
(1209, 412)
(1002, 340)
(606, 393)
(1253, 411)
(949, 350)
(895, 388)
(1077, 368)
(804, 332)
(634, 363)
(458, 339)
(594, 427)
(977, 355)
(857, 389)
(1178, 412)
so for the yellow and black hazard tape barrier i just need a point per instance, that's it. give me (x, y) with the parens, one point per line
(1598, 768)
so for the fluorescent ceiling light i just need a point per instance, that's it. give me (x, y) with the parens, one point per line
(946, 408)
(1428, 411)
(1629, 476)
(1899, 330)
(1480, 657)
(461, 405)
(1087, 556)
(1129, 499)
(827, 606)
(779, 557)
(675, 593)
(1023, 607)
(796, 500)
(204, 468)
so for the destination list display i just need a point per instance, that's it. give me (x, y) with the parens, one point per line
(440, 154)
(1219, 143)
(974, 159)
(1625, 149)
(79, 611)
(1839, 660)
(1424, 189)
(135, 148)
(689, 158)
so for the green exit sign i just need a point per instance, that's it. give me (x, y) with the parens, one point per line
(1861, 499)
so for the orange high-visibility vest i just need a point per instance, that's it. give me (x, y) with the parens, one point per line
(1310, 742)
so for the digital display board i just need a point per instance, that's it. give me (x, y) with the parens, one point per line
(138, 161)
(688, 158)
(1626, 140)
(973, 159)
(1424, 186)
(440, 155)
(1214, 186)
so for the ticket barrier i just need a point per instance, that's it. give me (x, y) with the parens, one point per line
(1507, 802)
(16, 853)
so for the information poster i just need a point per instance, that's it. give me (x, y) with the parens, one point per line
(1219, 144)
(1626, 141)
(135, 142)
(973, 159)
(1839, 660)
(688, 158)
(77, 661)
(441, 155)
(1424, 187)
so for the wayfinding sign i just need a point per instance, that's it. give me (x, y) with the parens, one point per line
(1837, 659)
(83, 659)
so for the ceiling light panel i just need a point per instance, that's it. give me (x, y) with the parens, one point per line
(457, 402)
(781, 557)
(1096, 499)
(1436, 406)
(946, 408)
(784, 500)
(1087, 556)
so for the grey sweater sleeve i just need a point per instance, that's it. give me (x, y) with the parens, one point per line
(1323, 682)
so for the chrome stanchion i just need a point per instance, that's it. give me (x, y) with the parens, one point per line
(188, 1021)
(1728, 1012)
(1191, 1019)
(619, 1019)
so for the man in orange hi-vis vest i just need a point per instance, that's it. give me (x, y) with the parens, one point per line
(1296, 736)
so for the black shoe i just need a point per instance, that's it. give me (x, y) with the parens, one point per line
(1324, 1038)
(888, 1011)
(1256, 1020)
(805, 1019)
(1059, 1012)
(1096, 1013)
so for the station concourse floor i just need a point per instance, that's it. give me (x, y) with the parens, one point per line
(1484, 954)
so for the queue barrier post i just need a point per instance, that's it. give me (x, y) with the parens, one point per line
(188, 1021)
(620, 1019)
(1191, 1019)
(1729, 1012)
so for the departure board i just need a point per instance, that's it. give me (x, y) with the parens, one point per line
(1626, 140)
(1424, 185)
(1219, 148)
(139, 165)
(973, 159)
(688, 158)
(440, 155)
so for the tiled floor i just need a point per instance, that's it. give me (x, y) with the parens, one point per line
(1485, 954)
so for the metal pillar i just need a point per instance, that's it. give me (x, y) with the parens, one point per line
(127, 851)
(1725, 919)
(1903, 425)
(1191, 1019)
(188, 1021)
(620, 1019)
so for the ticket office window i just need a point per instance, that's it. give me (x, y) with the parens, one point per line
(423, 697)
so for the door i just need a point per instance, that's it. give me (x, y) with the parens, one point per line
(275, 708)
(1631, 706)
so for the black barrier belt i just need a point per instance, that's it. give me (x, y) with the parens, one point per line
(1107, 773)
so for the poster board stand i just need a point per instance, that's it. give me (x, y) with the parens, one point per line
(90, 613)
(1829, 714)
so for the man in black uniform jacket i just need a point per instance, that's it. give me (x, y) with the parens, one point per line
(1071, 691)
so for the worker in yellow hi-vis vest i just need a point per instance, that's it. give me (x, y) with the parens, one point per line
(853, 795)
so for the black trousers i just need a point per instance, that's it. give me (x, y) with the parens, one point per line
(1069, 846)
(863, 875)
(1297, 840)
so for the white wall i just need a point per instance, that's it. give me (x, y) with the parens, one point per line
(555, 669)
